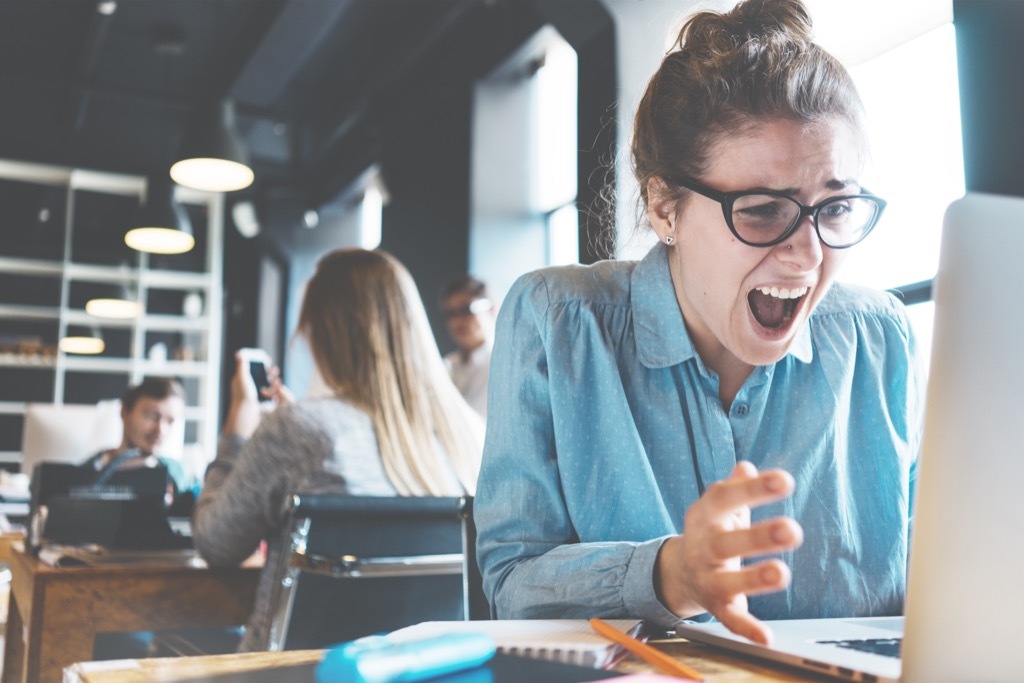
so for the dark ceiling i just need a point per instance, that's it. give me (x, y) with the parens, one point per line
(114, 84)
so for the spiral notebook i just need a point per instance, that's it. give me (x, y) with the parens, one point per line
(571, 641)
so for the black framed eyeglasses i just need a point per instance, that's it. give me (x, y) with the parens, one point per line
(474, 307)
(763, 218)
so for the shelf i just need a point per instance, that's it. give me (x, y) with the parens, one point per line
(166, 279)
(192, 413)
(13, 360)
(175, 279)
(85, 272)
(73, 282)
(80, 317)
(21, 312)
(24, 266)
(174, 323)
(12, 407)
(178, 368)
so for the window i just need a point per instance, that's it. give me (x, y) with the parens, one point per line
(524, 163)
(554, 115)
(555, 143)
(563, 227)
(913, 109)
(370, 215)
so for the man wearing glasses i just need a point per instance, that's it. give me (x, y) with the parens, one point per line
(469, 315)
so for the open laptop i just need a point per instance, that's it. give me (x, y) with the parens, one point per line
(965, 594)
(127, 512)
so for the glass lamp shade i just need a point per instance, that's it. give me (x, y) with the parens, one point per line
(163, 226)
(212, 157)
(113, 308)
(82, 340)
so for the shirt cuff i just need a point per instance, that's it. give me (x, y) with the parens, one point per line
(638, 587)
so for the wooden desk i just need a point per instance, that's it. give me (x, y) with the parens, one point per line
(178, 668)
(713, 664)
(55, 614)
(9, 543)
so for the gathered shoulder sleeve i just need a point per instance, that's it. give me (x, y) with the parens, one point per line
(531, 557)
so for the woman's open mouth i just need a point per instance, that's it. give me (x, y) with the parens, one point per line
(774, 307)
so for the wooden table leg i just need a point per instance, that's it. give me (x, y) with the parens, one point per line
(53, 654)
(14, 644)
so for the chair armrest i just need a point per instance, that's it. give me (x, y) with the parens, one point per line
(352, 567)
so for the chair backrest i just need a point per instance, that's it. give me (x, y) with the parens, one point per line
(68, 432)
(356, 565)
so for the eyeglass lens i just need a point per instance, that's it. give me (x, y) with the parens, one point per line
(761, 219)
(474, 307)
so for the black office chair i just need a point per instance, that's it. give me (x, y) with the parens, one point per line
(362, 565)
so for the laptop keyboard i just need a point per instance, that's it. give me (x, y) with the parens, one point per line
(887, 647)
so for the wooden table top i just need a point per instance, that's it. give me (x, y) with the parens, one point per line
(178, 668)
(716, 666)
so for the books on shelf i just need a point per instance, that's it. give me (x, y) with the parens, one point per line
(572, 641)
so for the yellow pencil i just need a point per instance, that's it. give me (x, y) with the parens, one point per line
(645, 651)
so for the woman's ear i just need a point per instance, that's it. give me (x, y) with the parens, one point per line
(661, 209)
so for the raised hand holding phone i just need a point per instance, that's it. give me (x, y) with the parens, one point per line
(259, 364)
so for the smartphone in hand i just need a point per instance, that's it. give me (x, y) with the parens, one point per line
(259, 363)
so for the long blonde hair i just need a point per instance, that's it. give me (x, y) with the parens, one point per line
(364, 322)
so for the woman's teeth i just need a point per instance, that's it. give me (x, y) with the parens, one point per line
(783, 293)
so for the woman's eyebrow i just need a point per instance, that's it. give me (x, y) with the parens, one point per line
(836, 184)
(833, 184)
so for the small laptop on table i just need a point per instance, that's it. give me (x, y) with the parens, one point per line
(127, 512)
(965, 588)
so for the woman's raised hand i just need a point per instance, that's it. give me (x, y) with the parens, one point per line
(701, 569)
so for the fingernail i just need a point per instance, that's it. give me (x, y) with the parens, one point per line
(774, 482)
(770, 574)
(781, 533)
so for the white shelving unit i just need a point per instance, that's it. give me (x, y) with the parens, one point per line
(204, 329)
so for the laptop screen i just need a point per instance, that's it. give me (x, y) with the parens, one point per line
(63, 479)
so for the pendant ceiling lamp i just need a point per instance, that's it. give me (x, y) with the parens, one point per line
(113, 301)
(162, 225)
(81, 339)
(118, 307)
(212, 157)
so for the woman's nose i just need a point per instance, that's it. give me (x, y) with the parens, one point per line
(803, 246)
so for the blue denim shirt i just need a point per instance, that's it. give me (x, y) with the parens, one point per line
(605, 426)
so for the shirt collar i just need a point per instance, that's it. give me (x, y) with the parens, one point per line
(661, 336)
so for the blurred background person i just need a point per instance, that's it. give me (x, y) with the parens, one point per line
(152, 415)
(394, 423)
(469, 314)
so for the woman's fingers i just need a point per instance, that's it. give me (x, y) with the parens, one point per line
(735, 617)
(741, 489)
(770, 536)
(706, 567)
(763, 577)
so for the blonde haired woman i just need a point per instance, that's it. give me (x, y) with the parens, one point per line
(395, 424)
